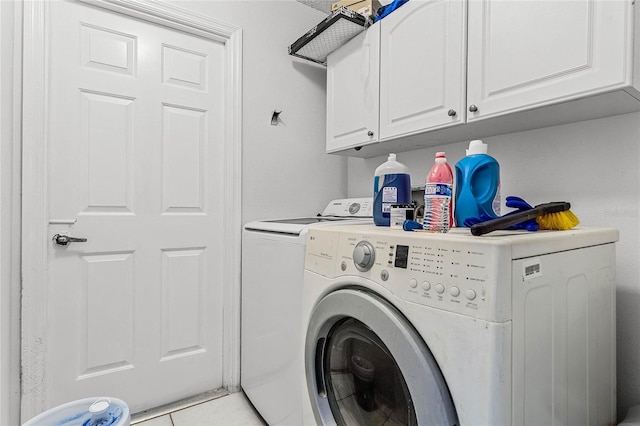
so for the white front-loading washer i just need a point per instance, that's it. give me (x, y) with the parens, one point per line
(450, 329)
(272, 265)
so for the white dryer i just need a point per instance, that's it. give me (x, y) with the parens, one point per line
(272, 265)
(418, 328)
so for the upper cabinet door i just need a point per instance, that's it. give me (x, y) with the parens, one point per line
(353, 92)
(528, 54)
(422, 67)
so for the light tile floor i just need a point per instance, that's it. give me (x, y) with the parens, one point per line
(229, 410)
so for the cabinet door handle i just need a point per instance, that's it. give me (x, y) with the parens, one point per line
(473, 108)
(370, 133)
(452, 113)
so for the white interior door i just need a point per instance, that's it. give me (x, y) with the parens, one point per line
(134, 163)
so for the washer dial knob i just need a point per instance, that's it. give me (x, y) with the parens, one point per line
(364, 255)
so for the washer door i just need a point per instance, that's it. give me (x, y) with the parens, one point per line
(366, 365)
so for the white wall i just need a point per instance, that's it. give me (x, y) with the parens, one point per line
(285, 170)
(592, 164)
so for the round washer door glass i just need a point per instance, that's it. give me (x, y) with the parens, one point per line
(366, 365)
(364, 384)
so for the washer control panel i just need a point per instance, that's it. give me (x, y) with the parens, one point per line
(458, 273)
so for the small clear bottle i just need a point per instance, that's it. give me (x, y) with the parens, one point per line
(438, 215)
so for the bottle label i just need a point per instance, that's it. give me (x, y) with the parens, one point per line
(390, 194)
(437, 205)
(389, 197)
(437, 189)
(496, 202)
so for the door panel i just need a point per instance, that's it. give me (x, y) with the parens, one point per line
(422, 57)
(353, 92)
(135, 134)
(522, 55)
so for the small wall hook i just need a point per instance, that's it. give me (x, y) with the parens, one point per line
(274, 117)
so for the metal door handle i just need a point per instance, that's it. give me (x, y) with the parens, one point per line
(64, 240)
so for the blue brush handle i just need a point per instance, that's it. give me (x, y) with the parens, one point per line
(518, 203)
(411, 225)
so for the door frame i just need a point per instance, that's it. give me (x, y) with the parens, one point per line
(10, 245)
(35, 238)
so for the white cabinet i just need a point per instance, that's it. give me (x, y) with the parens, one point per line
(453, 70)
(526, 54)
(422, 67)
(353, 92)
(403, 75)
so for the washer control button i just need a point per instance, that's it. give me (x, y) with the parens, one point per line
(343, 266)
(426, 285)
(364, 256)
(470, 294)
(413, 283)
(384, 275)
(439, 288)
(454, 291)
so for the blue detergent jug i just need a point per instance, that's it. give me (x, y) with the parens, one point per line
(391, 185)
(477, 184)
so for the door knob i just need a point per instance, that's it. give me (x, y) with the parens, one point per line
(64, 240)
(473, 108)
